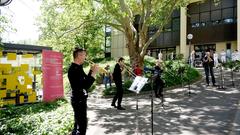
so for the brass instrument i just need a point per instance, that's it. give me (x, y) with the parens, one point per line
(128, 69)
(101, 69)
(209, 59)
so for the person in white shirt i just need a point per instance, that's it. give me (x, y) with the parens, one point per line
(192, 58)
(160, 56)
(238, 55)
(215, 58)
(234, 55)
(223, 56)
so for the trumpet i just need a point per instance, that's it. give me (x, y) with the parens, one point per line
(101, 69)
(128, 69)
(209, 59)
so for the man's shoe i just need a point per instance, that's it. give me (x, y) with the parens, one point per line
(121, 108)
(114, 105)
(214, 85)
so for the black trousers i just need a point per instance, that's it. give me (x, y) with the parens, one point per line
(158, 87)
(80, 117)
(209, 69)
(118, 96)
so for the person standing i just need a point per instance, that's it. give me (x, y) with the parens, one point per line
(137, 70)
(208, 64)
(80, 83)
(117, 77)
(223, 56)
(192, 58)
(158, 83)
(107, 77)
(215, 58)
(160, 56)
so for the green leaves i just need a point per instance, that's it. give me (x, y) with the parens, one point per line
(35, 119)
(66, 24)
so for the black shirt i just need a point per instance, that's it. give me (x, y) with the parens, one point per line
(117, 75)
(79, 81)
(207, 63)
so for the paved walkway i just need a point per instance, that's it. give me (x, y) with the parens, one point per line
(207, 111)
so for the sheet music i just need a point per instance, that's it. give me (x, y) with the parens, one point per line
(138, 84)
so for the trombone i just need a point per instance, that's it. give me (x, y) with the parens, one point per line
(101, 69)
(128, 69)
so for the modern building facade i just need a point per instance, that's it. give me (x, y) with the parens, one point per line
(213, 26)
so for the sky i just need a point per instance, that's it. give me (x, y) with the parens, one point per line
(23, 14)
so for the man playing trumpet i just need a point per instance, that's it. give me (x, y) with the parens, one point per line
(80, 83)
(208, 64)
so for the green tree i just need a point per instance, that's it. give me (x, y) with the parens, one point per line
(5, 26)
(65, 25)
(123, 15)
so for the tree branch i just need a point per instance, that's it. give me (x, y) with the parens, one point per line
(73, 29)
(151, 39)
(127, 21)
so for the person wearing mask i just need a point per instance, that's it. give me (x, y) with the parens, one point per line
(80, 83)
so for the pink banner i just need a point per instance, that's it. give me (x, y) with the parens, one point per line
(52, 68)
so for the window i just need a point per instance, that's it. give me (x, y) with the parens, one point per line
(167, 27)
(176, 13)
(216, 15)
(160, 39)
(176, 24)
(205, 6)
(205, 17)
(193, 8)
(194, 18)
(227, 3)
(227, 13)
(215, 5)
(167, 38)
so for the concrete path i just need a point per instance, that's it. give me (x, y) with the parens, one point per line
(207, 111)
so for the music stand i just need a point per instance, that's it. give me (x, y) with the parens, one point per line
(136, 87)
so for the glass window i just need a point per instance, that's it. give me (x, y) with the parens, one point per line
(160, 39)
(216, 15)
(227, 13)
(167, 38)
(205, 17)
(205, 6)
(215, 5)
(227, 3)
(168, 27)
(194, 18)
(193, 8)
(176, 24)
(176, 13)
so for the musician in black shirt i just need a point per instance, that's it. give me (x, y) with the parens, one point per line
(158, 83)
(208, 64)
(117, 77)
(80, 83)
